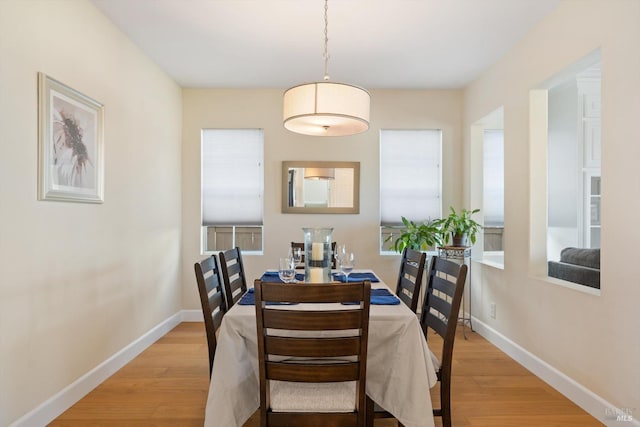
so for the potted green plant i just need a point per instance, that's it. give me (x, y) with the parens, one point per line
(419, 237)
(460, 227)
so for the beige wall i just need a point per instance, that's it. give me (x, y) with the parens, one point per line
(220, 108)
(592, 339)
(82, 281)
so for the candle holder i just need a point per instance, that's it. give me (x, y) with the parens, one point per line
(317, 255)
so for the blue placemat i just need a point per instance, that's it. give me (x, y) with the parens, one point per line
(249, 299)
(380, 297)
(272, 276)
(356, 277)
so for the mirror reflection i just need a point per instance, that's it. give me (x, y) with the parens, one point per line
(320, 187)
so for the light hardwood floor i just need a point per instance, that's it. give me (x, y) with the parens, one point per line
(167, 385)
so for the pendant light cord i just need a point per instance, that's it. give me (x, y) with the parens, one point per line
(326, 40)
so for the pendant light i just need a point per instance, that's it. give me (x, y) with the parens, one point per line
(326, 108)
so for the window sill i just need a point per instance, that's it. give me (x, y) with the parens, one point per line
(570, 285)
(244, 253)
(492, 259)
(490, 263)
(386, 253)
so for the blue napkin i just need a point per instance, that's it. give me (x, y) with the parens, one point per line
(356, 277)
(249, 299)
(380, 297)
(272, 276)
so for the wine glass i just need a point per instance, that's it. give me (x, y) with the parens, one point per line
(341, 251)
(347, 262)
(297, 256)
(286, 271)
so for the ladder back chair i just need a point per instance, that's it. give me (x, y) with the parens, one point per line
(410, 277)
(299, 245)
(312, 363)
(235, 283)
(443, 295)
(212, 301)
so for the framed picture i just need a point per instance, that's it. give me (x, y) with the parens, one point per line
(70, 144)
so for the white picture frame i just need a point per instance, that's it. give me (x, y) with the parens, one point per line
(70, 144)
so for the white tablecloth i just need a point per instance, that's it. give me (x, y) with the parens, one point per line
(399, 367)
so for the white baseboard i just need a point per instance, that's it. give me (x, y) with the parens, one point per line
(192, 316)
(67, 397)
(595, 405)
(49, 410)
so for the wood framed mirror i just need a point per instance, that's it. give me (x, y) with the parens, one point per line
(312, 187)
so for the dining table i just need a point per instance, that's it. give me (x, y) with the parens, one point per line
(400, 369)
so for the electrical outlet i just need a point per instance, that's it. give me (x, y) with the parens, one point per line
(493, 310)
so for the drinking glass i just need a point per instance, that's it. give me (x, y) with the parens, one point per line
(286, 271)
(341, 251)
(297, 256)
(347, 263)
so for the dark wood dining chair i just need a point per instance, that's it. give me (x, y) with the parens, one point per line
(410, 277)
(299, 245)
(443, 296)
(312, 363)
(212, 301)
(235, 283)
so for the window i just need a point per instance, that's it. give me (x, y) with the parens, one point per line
(493, 189)
(409, 180)
(487, 185)
(232, 189)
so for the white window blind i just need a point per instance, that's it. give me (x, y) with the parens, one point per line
(232, 176)
(409, 175)
(493, 177)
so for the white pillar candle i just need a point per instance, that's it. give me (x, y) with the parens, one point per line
(317, 251)
(315, 275)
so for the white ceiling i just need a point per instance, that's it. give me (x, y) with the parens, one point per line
(410, 44)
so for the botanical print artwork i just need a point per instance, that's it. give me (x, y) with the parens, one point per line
(73, 143)
(70, 141)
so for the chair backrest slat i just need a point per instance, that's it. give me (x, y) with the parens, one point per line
(408, 285)
(440, 305)
(310, 293)
(212, 300)
(441, 284)
(216, 298)
(410, 277)
(310, 347)
(313, 373)
(217, 319)
(405, 298)
(449, 267)
(437, 323)
(411, 269)
(312, 320)
(234, 270)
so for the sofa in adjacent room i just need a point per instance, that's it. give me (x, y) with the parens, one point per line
(577, 265)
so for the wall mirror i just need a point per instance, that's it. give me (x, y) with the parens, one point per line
(320, 187)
